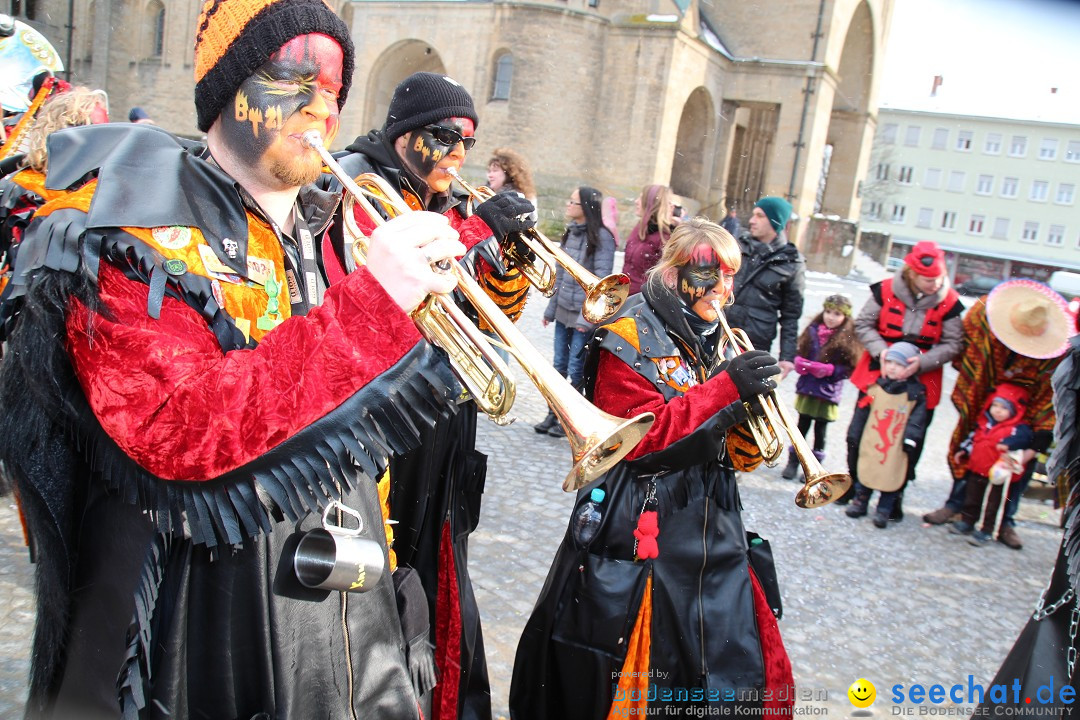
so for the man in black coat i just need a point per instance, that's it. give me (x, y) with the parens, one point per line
(770, 284)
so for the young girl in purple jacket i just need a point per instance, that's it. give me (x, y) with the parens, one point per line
(827, 352)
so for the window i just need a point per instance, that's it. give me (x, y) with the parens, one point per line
(1010, 187)
(1039, 190)
(1031, 232)
(941, 139)
(1018, 146)
(504, 76)
(1065, 194)
(963, 140)
(906, 171)
(992, 146)
(873, 210)
(1048, 149)
(1055, 235)
(1001, 229)
(911, 136)
(155, 11)
(926, 215)
(948, 220)
(898, 212)
(1072, 151)
(956, 180)
(975, 225)
(883, 171)
(888, 133)
(985, 185)
(932, 181)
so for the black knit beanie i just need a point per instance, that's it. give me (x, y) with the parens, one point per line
(424, 98)
(235, 37)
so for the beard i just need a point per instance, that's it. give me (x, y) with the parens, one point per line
(297, 171)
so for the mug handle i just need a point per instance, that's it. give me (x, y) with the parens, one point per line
(341, 529)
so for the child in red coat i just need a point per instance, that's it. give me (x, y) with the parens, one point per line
(998, 432)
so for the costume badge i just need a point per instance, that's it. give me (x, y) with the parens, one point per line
(174, 266)
(259, 269)
(172, 238)
(219, 295)
(217, 269)
(232, 249)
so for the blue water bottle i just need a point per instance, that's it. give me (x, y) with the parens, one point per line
(587, 519)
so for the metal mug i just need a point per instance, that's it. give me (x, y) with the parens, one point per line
(335, 557)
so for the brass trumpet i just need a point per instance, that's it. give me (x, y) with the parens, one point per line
(597, 440)
(820, 487)
(603, 296)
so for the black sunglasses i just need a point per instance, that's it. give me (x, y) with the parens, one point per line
(449, 136)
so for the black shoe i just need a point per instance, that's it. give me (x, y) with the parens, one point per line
(881, 520)
(857, 509)
(545, 425)
(792, 467)
(557, 431)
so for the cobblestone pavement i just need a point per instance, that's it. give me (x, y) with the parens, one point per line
(907, 604)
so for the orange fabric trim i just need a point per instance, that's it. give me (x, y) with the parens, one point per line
(244, 301)
(32, 180)
(78, 200)
(15, 137)
(384, 507)
(634, 680)
(626, 328)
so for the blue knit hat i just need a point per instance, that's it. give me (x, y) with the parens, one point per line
(778, 210)
(901, 352)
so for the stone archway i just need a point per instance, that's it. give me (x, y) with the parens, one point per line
(397, 62)
(850, 131)
(691, 166)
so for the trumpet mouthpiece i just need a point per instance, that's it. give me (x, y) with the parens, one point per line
(312, 139)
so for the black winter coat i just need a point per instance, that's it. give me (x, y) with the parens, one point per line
(769, 290)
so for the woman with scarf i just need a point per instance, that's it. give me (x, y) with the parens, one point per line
(655, 603)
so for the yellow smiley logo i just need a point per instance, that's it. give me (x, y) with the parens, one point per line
(862, 693)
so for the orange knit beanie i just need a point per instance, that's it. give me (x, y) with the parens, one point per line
(235, 37)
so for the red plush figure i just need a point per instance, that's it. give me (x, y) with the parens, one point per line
(647, 531)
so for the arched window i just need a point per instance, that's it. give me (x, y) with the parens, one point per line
(155, 15)
(504, 76)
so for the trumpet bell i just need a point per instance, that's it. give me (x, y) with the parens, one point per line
(823, 490)
(598, 452)
(604, 297)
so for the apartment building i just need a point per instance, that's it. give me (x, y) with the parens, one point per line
(998, 195)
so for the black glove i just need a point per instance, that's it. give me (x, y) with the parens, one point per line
(750, 372)
(506, 213)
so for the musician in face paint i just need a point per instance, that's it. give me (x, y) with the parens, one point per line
(428, 151)
(294, 91)
(703, 280)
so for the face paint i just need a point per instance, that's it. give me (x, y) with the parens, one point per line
(437, 146)
(294, 91)
(699, 275)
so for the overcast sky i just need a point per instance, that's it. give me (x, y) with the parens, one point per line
(997, 57)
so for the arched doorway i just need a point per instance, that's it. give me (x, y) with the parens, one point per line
(398, 62)
(849, 131)
(693, 146)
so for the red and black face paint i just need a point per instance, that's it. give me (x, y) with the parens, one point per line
(701, 273)
(428, 145)
(306, 66)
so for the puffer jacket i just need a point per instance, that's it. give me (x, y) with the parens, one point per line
(565, 304)
(769, 291)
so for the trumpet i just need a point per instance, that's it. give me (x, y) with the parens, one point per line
(820, 487)
(603, 296)
(597, 440)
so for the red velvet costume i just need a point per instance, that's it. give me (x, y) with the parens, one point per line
(694, 620)
(173, 449)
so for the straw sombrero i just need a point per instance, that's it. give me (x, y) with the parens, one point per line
(1030, 318)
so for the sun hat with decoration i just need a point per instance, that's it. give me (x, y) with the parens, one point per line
(233, 38)
(1030, 318)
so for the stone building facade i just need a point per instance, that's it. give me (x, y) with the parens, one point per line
(722, 100)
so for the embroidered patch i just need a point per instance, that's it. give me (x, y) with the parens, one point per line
(172, 238)
(675, 373)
